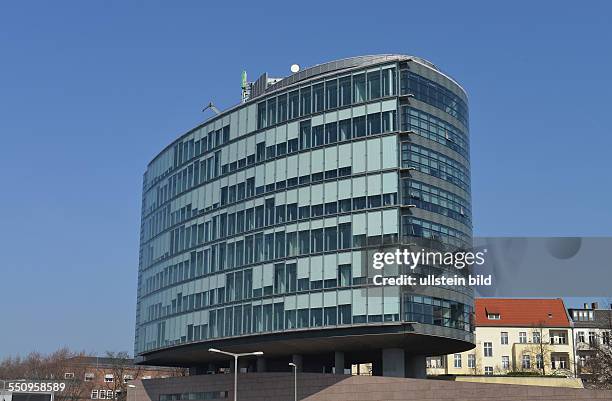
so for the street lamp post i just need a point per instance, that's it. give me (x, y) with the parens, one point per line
(236, 356)
(294, 380)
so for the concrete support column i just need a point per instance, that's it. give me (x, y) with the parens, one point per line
(393, 362)
(377, 368)
(339, 362)
(416, 367)
(212, 368)
(297, 359)
(243, 364)
(261, 364)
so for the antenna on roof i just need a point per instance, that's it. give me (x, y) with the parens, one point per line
(212, 107)
(246, 88)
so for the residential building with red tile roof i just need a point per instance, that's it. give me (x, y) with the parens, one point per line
(515, 335)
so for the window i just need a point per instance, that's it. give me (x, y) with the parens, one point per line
(69, 375)
(89, 377)
(359, 127)
(581, 336)
(559, 362)
(317, 94)
(504, 337)
(457, 361)
(374, 124)
(537, 337)
(489, 370)
(359, 94)
(592, 338)
(282, 108)
(305, 100)
(109, 378)
(316, 240)
(271, 111)
(526, 361)
(539, 361)
(331, 133)
(344, 85)
(127, 378)
(344, 275)
(345, 235)
(488, 349)
(523, 337)
(605, 338)
(331, 94)
(493, 316)
(317, 135)
(261, 115)
(558, 337)
(331, 238)
(373, 85)
(344, 129)
(305, 134)
(294, 104)
(505, 362)
(388, 81)
(472, 361)
(260, 151)
(94, 394)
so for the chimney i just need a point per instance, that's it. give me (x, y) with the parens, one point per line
(594, 305)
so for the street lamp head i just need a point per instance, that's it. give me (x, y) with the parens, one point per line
(131, 386)
(213, 350)
(292, 364)
(258, 353)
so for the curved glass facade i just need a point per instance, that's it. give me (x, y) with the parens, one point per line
(259, 220)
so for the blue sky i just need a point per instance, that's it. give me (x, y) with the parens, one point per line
(91, 91)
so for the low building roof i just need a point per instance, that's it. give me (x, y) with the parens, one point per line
(519, 312)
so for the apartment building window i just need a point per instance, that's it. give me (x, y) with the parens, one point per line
(582, 315)
(504, 337)
(127, 378)
(536, 337)
(523, 337)
(488, 349)
(493, 316)
(505, 362)
(605, 338)
(526, 361)
(471, 361)
(434, 362)
(581, 336)
(457, 361)
(108, 378)
(539, 361)
(559, 362)
(94, 394)
(489, 370)
(559, 337)
(592, 338)
(89, 377)
(69, 375)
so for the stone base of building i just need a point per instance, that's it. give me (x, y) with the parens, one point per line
(331, 387)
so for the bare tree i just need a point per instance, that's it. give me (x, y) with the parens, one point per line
(541, 350)
(599, 364)
(58, 365)
(122, 367)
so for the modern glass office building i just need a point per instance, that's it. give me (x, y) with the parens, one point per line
(258, 225)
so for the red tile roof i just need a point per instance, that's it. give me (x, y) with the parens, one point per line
(521, 312)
